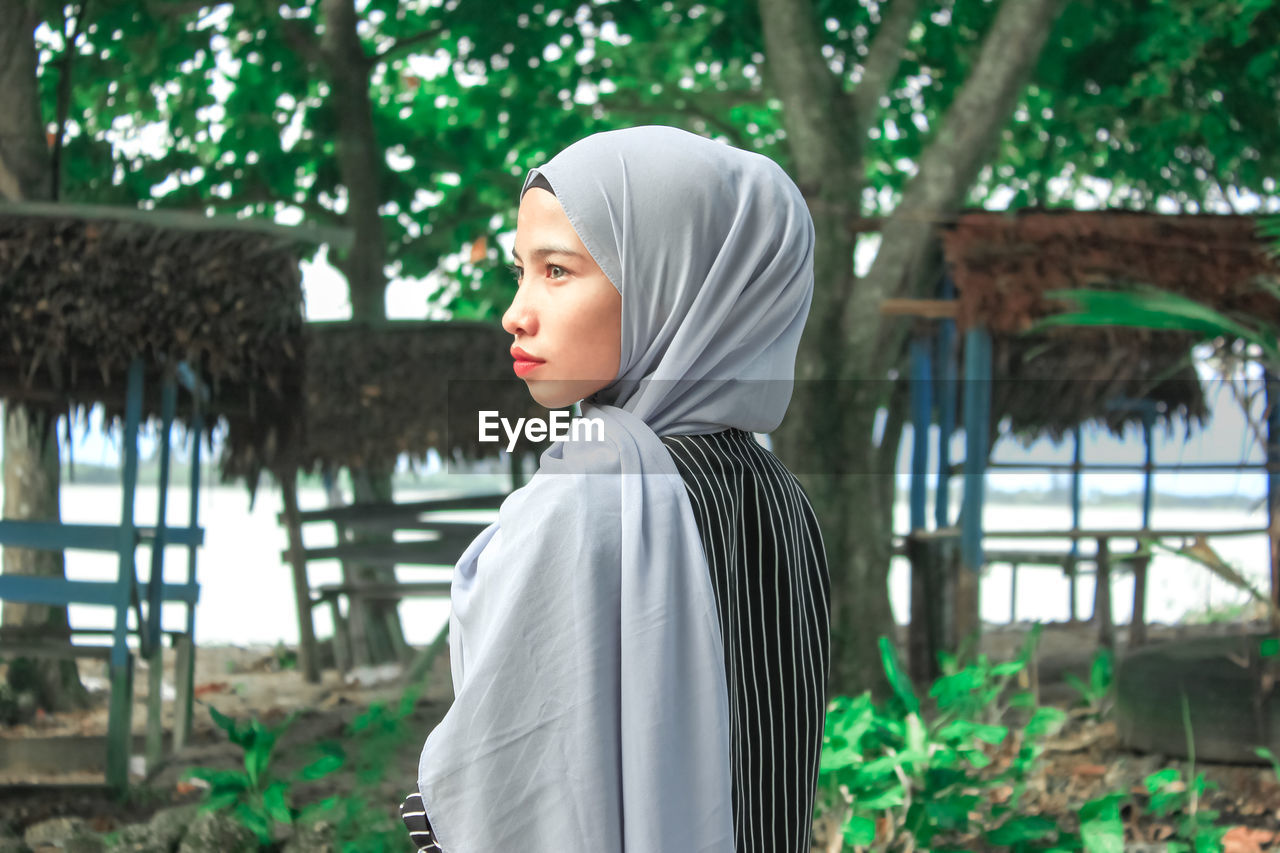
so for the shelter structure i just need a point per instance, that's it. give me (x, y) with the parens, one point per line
(973, 360)
(376, 394)
(112, 307)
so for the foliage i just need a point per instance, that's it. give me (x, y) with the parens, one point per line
(360, 819)
(253, 795)
(1145, 307)
(1171, 795)
(465, 97)
(893, 775)
(1095, 693)
(896, 776)
(1134, 103)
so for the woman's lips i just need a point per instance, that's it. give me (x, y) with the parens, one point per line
(524, 368)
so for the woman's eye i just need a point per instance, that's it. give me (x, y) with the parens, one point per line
(552, 268)
(515, 271)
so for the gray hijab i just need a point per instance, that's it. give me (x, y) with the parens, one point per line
(591, 703)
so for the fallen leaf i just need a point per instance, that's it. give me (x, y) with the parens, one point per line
(1242, 839)
(1089, 771)
(211, 687)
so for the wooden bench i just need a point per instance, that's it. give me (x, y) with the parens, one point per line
(437, 543)
(126, 592)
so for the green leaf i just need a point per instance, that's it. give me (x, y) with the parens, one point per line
(1045, 721)
(1161, 778)
(222, 721)
(1270, 756)
(255, 820)
(220, 801)
(274, 799)
(326, 764)
(1270, 647)
(1021, 830)
(258, 756)
(881, 801)
(898, 679)
(859, 831)
(1101, 829)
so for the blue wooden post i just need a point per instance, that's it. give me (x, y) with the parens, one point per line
(1077, 467)
(921, 417)
(120, 715)
(977, 420)
(946, 372)
(1148, 462)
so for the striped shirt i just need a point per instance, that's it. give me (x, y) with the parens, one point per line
(769, 571)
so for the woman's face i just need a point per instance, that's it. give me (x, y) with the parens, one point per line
(566, 315)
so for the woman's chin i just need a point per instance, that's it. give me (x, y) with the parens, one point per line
(550, 395)
(559, 394)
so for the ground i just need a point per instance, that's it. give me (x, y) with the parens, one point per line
(1083, 761)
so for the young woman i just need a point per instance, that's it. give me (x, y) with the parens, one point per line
(639, 645)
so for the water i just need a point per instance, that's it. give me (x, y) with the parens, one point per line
(247, 597)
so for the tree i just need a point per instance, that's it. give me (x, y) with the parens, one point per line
(31, 468)
(890, 116)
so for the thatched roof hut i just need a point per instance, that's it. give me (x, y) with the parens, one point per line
(86, 290)
(1003, 263)
(374, 392)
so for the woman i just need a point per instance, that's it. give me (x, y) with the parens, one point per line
(639, 645)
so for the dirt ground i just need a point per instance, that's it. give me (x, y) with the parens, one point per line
(52, 767)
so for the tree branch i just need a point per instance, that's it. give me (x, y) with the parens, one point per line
(882, 64)
(301, 41)
(174, 8)
(403, 44)
(64, 94)
(947, 169)
(819, 142)
(625, 103)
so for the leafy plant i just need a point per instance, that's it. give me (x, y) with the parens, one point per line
(362, 823)
(1095, 693)
(895, 774)
(253, 795)
(1179, 796)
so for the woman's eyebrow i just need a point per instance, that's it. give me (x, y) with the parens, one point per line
(545, 251)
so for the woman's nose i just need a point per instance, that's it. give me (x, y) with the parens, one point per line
(518, 319)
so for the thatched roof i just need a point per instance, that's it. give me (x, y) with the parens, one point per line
(1003, 263)
(84, 290)
(374, 392)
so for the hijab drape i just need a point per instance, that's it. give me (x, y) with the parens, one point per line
(591, 704)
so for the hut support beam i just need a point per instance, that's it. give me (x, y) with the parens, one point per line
(120, 715)
(1102, 613)
(184, 663)
(977, 429)
(307, 661)
(1273, 479)
(1077, 469)
(152, 645)
(927, 594)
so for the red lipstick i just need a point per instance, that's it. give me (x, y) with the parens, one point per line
(524, 363)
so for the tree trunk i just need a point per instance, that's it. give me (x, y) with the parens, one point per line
(31, 473)
(846, 358)
(360, 163)
(31, 470)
